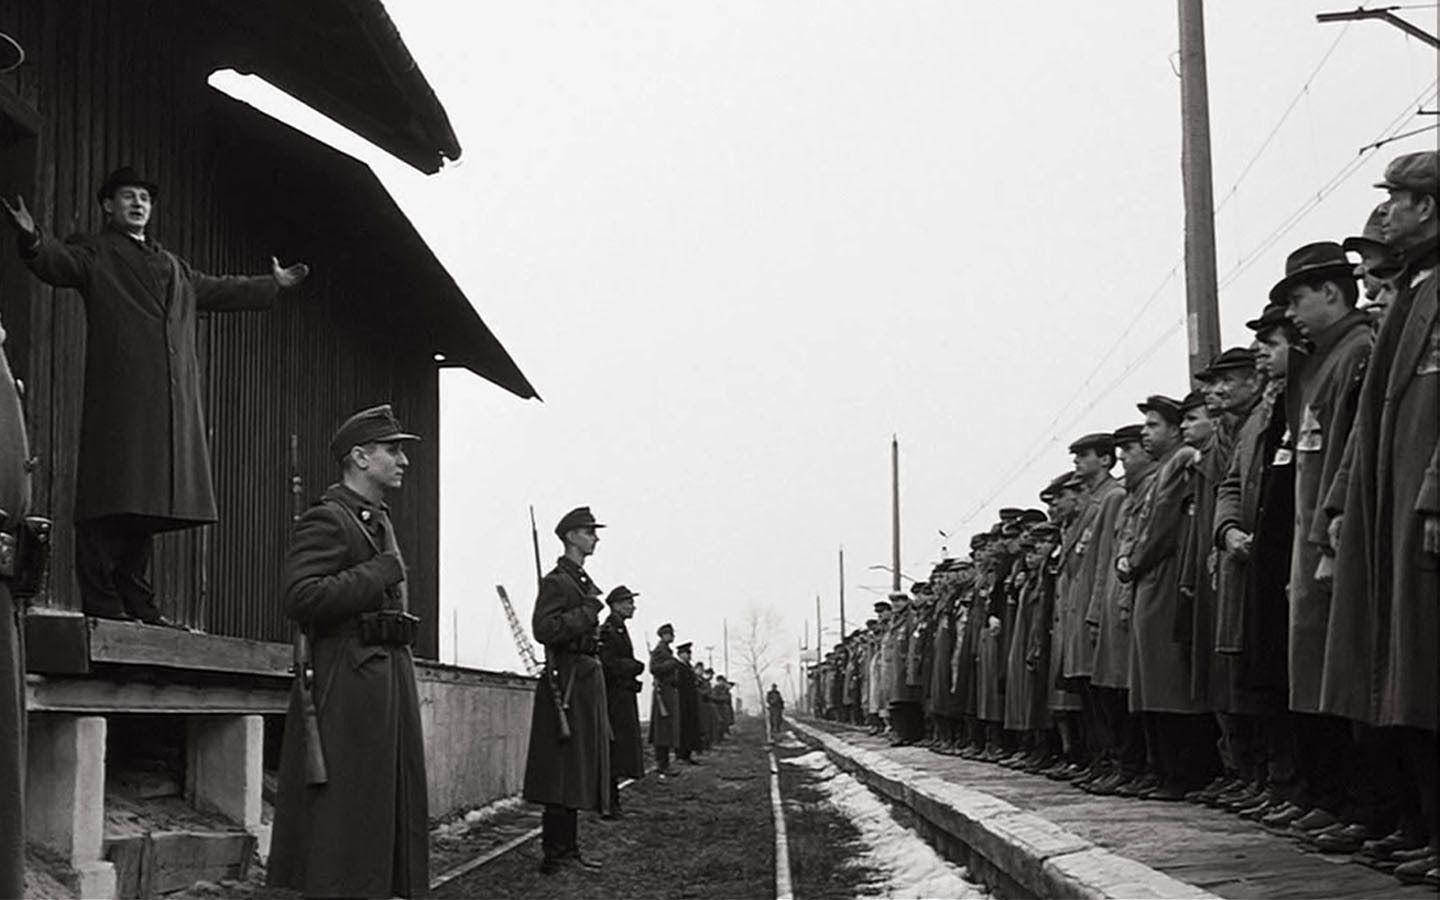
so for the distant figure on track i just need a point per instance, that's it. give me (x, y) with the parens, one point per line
(569, 774)
(775, 709)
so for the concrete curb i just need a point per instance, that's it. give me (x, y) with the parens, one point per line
(1042, 858)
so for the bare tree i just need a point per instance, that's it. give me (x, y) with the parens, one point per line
(760, 647)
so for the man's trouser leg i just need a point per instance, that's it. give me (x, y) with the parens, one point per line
(1421, 751)
(112, 563)
(662, 759)
(557, 831)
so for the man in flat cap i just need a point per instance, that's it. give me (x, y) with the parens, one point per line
(144, 464)
(1383, 511)
(664, 699)
(359, 828)
(622, 689)
(569, 774)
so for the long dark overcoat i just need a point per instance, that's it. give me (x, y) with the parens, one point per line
(1025, 707)
(1380, 648)
(576, 773)
(365, 833)
(688, 702)
(938, 700)
(1160, 666)
(15, 501)
(1087, 569)
(1110, 657)
(664, 697)
(1323, 387)
(142, 431)
(622, 696)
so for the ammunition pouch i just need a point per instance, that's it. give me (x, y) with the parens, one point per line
(389, 628)
(24, 554)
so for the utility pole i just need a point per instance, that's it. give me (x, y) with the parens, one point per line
(1385, 15)
(819, 635)
(894, 514)
(842, 593)
(1201, 291)
(710, 654)
(725, 625)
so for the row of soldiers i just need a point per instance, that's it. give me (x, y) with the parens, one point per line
(1245, 618)
(691, 708)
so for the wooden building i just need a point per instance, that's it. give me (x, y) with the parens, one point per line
(113, 82)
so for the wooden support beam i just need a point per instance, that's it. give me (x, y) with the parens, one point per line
(92, 695)
(130, 643)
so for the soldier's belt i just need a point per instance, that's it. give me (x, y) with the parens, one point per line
(389, 628)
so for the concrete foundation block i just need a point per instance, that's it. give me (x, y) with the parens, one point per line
(1020, 843)
(96, 881)
(223, 769)
(65, 787)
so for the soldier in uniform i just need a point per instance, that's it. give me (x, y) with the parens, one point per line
(664, 699)
(144, 467)
(569, 775)
(14, 503)
(622, 688)
(688, 691)
(363, 832)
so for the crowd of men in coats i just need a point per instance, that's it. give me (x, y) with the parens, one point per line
(1246, 617)
(585, 734)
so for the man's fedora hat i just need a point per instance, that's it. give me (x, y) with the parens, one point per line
(1236, 359)
(579, 517)
(1323, 259)
(376, 425)
(125, 176)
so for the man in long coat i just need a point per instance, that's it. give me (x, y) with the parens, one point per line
(14, 504)
(569, 775)
(688, 699)
(622, 689)
(1384, 504)
(664, 699)
(1159, 665)
(364, 832)
(144, 463)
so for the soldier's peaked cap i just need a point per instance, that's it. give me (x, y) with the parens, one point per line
(125, 176)
(664, 628)
(619, 595)
(1418, 172)
(376, 425)
(579, 517)
(1100, 442)
(685, 647)
(1167, 408)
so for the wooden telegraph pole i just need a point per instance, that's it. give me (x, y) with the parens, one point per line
(1201, 292)
(894, 515)
(842, 594)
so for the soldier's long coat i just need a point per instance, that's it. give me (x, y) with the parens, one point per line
(142, 432)
(366, 832)
(665, 697)
(1380, 648)
(622, 692)
(688, 701)
(1160, 666)
(574, 773)
(1320, 409)
(15, 501)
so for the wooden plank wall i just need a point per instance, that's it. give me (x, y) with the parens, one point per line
(123, 82)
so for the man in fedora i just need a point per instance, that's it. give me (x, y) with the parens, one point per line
(363, 831)
(144, 466)
(568, 774)
(1378, 263)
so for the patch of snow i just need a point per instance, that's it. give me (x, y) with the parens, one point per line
(789, 742)
(909, 867)
(477, 817)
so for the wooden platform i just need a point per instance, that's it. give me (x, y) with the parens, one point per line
(1219, 852)
(59, 643)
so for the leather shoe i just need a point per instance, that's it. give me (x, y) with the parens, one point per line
(1414, 871)
(1168, 792)
(1345, 840)
(586, 862)
(1260, 811)
(1137, 786)
(1314, 820)
(1105, 787)
(1283, 816)
(1384, 848)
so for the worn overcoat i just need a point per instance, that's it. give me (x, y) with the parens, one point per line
(938, 699)
(1025, 707)
(1380, 648)
(664, 697)
(576, 773)
(1159, 665)
(365, 833)
(622, 696)
(688, 702)
(1110, 661)
(142, 431)
(1323, 388)
(15, 501)
(1088, 570)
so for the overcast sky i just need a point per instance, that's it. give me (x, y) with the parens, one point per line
(736, 246)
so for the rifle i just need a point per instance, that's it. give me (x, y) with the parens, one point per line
(303, 665)
(658, 693)
(551, 675)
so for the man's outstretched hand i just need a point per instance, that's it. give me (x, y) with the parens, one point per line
(19, 215)
(288, 276)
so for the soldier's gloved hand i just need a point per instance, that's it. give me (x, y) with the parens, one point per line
(392, 570)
